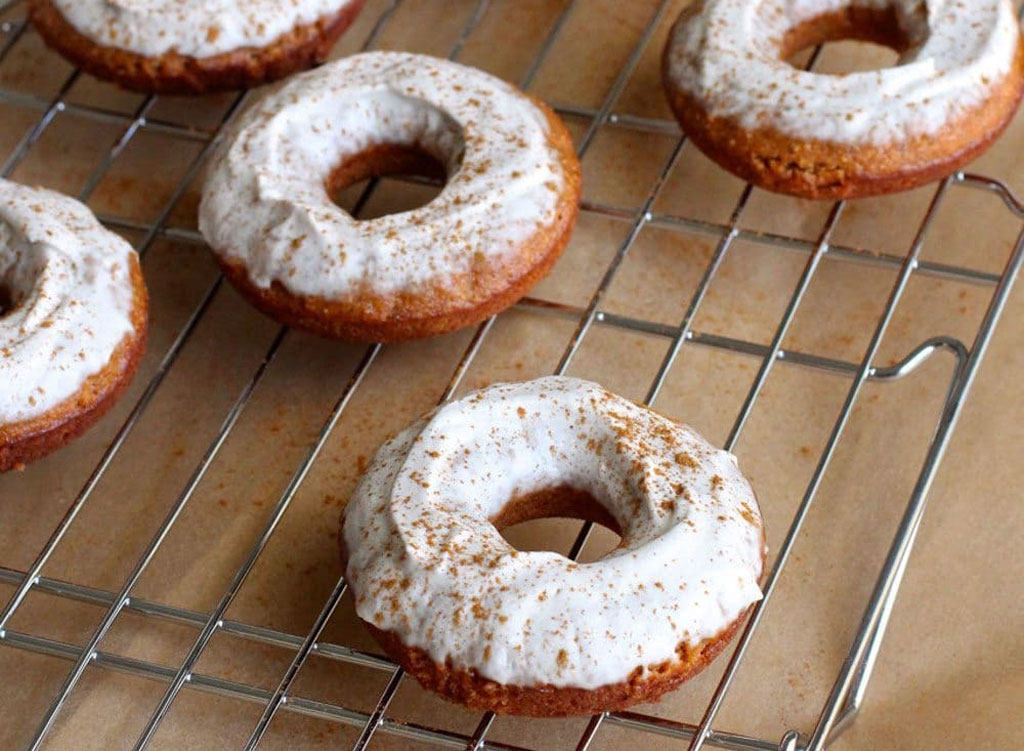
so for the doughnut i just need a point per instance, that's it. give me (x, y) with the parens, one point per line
(534, 633)
(72, 321)
(498, 225)
(192, 46)
(956, 87)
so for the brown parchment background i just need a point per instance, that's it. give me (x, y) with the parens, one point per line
(951, 672)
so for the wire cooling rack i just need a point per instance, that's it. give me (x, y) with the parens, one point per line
(845, 698)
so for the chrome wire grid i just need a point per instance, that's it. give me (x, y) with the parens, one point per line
(850, 685)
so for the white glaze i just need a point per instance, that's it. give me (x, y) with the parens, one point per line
(265, 201)
(425, 562)
(70, 280)
(727, 57)
(196, 28)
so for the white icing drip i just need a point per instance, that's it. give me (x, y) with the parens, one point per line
(425, 562)
(196, 28)
(70, 280)
(727, 57)
(265, 201)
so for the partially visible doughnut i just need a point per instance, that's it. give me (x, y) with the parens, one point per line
(72, 321)
(534, 633)
(958, 84)
(192, 46)
(499, 224)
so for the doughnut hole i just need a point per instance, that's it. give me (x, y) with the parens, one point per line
(6, 299)
(383, 134)
(520, 521)
(10, 271)
(22, 267)
(349, 179)
(871, 38)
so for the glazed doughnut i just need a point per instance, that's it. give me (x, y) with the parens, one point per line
(192, 46)
(534, 633)
(72, 321)
(498, 225)
(957, 86)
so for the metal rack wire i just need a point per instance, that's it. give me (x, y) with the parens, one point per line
(845, 698)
